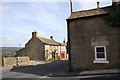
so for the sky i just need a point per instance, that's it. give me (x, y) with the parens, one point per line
(19, 19)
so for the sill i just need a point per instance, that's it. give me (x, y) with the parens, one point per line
(101, 61)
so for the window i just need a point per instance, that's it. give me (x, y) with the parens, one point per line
(100, 54)
(50, 47)
(55, 48)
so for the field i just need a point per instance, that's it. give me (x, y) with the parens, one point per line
(9, 51)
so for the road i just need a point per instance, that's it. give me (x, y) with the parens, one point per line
(43, 71)
(36, 71)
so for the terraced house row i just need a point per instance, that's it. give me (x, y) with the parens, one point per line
(39, 48)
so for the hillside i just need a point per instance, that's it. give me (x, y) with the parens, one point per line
(9, 50)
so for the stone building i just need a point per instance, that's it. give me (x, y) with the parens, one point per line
(39, 48)
(92, 43)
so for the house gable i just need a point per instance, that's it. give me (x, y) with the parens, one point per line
(87, 32)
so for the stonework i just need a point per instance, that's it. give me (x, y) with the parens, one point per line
(23, 60)
(87, 32)
(14, 61)
(39, 48)
(10, 61)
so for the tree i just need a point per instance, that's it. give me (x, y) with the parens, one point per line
(114, 18)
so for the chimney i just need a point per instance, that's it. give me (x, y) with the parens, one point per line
(64, 41)
(34, 34)
(51, 37)
(71, 6)
(98, 4)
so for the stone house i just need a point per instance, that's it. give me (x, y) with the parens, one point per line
(92, 44)
(39, 48)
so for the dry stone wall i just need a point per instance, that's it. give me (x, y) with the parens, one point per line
(9, 61)
(14, 61)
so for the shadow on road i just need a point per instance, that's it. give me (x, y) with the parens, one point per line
(43, 69)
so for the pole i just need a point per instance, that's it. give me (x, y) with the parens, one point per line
(19, 46)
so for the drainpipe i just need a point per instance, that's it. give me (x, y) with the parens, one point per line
(60, 50)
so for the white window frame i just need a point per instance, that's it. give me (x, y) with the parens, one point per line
(100, 60)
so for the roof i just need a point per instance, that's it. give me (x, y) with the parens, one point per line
(48, 41)
(87, 13)
(62, 44)
(51, 41)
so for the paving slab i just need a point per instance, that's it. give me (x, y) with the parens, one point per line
(102, 71)
(93, 71)
(85, 72)
(113, 71)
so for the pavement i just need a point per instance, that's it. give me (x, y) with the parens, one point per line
(87, 73)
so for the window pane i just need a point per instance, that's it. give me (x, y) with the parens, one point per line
(100, 55)
(100, 49)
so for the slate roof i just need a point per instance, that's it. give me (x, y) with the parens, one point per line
(62, 44)
(51, 41)
(87, 13)
(48, 41)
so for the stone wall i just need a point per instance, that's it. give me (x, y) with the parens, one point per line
(34, 48)
(9, 61)
(14, 61)
(21, 52)
(23, 60)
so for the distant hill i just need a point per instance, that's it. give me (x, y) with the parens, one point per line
(9, 50)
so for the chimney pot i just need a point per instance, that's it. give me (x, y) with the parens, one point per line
(51, 37)
(64, 41)
(98, 4)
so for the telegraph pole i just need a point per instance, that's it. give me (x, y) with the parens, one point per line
(19, 46)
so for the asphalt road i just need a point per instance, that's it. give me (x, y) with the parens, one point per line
(43, 71)
(36, 71)
(113, 77)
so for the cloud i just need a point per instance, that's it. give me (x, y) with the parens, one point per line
(35, 0)
(3, 8)
(58, 0)
(40, 16)
(15, 37)
(48, 18)
(14, 40)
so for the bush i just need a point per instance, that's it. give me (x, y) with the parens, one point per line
(51, 59)
(114, 18)
(58, 57)
(8, 55)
